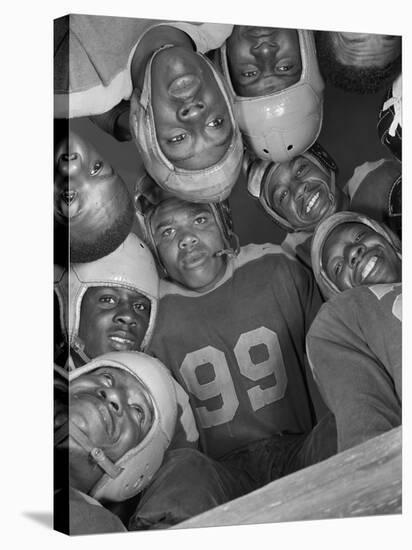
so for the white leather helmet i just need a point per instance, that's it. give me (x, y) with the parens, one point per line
(131, 265)
(283, 124)
(204, 185)
(323, 230)
(135, 469)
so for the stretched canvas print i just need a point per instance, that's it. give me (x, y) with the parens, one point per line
(227, 278)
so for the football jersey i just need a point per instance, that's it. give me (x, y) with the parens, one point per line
(299, 244)
(354, 350)
(238, 349)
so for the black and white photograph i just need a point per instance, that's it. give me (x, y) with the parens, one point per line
(225, 238)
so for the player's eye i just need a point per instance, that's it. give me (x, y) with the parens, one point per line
(139, 306)
(337, 268)
(301, 169)
(178, 138)
(166, 233)
(282, 195)
(107, 299)
(216, 122)
(96, 168)
(199, 220)
(284, 68)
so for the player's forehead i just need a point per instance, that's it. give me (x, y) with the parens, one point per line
(346, 231)
(283, 174)
(95, 292)
(121, 377)
(176, 209)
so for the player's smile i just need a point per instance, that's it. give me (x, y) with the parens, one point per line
(313, 201)
(369, 267)
(299, 191)
(122, 340)
(354, 254)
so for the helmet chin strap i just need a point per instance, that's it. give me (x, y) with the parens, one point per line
(230, 252)
(77, 345)
(70, 429)
(226, 251)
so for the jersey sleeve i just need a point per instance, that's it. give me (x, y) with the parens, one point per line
(308, 292)
(352, 380)
(186, 434)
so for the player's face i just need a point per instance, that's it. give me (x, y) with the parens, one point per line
(354, 255)
(192, 120)
(86, 188)
(263, 60)
(299, 191)
(187, 239)
(112, 408)
(113, 319)
(365, 50)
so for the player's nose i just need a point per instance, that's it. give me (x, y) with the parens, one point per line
(355, 254)
(191, 111)
(125, 314)
(69, 164)
(187, 241)
(113, 397)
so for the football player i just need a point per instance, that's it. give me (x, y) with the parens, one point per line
(358, 62)
(113, 436)
(276, 87)
(297, 194)
(231, 327)
(350, 249)
(93, 210)
(109, 304)
(355, 350)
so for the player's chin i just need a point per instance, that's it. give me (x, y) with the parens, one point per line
(201, 278)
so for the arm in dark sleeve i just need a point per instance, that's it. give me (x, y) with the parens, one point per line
(115, 122)
(308, 292)
(353, 382)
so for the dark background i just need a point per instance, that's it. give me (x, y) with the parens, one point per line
(348, 133)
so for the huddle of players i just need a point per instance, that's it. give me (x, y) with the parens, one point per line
(229, 323)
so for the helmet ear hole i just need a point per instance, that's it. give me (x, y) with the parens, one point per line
(289, 147)
(266, 151)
